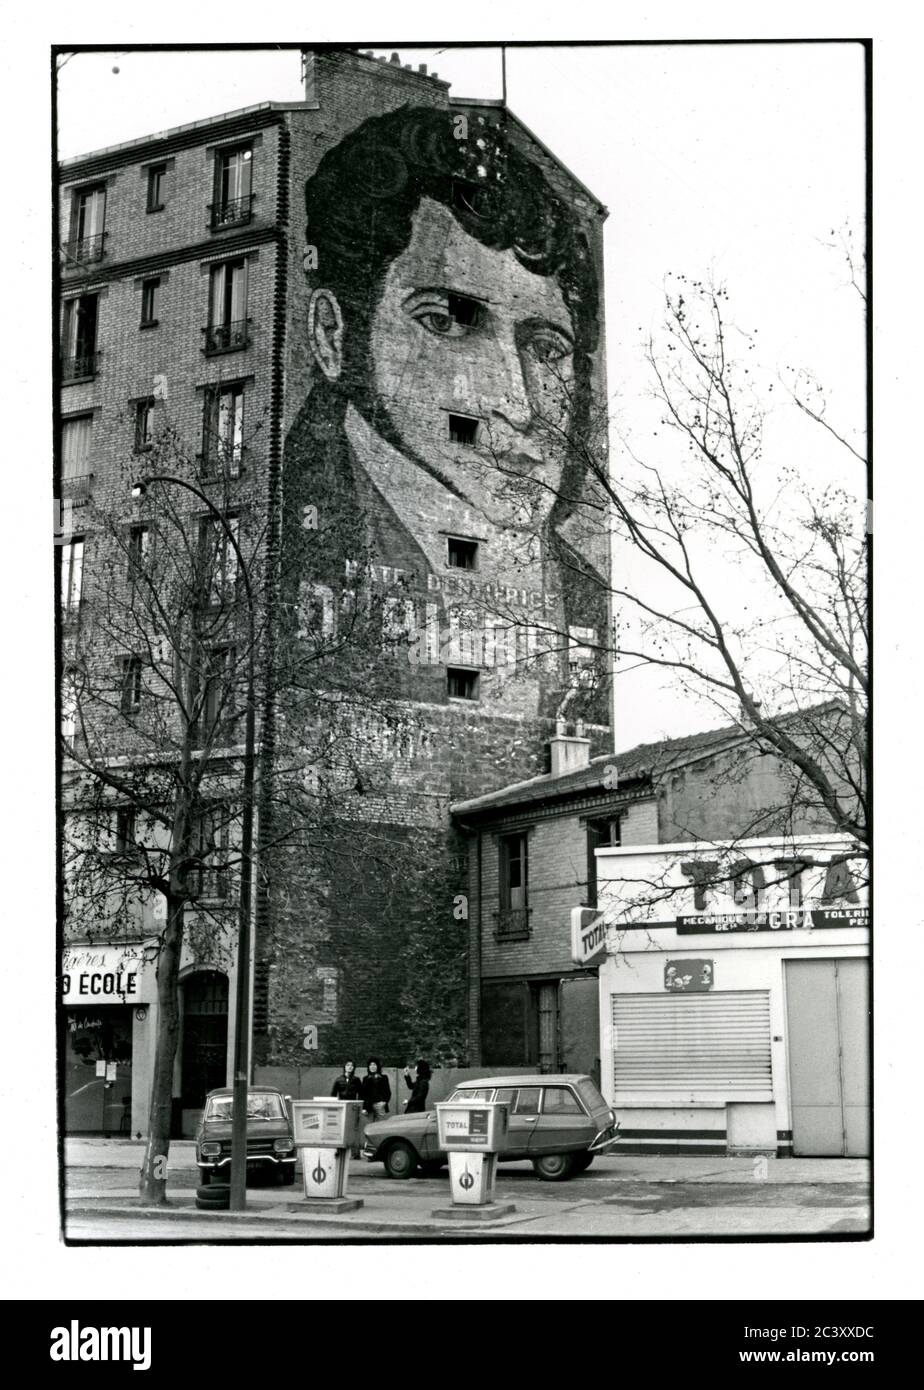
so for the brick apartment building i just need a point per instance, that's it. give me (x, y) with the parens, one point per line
(345, 311)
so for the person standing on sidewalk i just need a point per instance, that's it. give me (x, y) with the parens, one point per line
(418, 1080)
(347, 1086)
(376, 1091)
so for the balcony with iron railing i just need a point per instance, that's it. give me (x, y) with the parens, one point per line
(226, 337)
(232, 212)
(76, 487)
(81, 367)
(84, 250)
(512, 923)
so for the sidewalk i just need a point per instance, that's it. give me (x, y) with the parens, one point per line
(639, 1195)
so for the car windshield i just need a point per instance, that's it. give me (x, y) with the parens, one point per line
(590, 1095)
(471, 1095)
(260, 1106)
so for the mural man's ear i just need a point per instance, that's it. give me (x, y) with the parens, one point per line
(325, 332)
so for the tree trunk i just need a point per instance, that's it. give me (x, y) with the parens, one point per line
(153, 1184)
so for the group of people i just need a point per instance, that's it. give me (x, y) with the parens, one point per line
(374, 1089)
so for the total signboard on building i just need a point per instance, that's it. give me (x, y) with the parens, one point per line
(734, 999)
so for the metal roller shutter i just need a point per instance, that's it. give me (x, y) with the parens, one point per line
(692, 1046)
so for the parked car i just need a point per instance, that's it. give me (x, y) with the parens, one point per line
(270, 1140)
(560, 1123)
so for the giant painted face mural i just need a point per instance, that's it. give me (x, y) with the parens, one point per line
(450, 323)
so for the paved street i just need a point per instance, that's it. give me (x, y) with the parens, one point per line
(629, 1197)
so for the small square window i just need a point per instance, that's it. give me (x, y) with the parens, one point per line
(157, 178)
(150, 302)
(462, 685)
(461, 554)
(462, 429)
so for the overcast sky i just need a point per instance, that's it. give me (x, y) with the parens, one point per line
(733, 160)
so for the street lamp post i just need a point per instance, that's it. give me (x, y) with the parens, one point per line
(242, 991)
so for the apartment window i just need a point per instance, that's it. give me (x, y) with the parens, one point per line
(150, 302)
(462, 554)
(144, 425)
(76, 441)
(211, 843)
(88, 217)
(217, 715)
(219, 559)
(461, 684)
(157, 181)
(513, 910)
(131, 684)
(69, 707)
(223, 442)
(462, 429)
(124, 830)
(71, 574)
(233, 182)
(139, 540)
(600, 833)
(226, 330)
(78, 339)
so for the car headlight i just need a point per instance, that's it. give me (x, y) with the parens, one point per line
(210, 1150)
(283, 1146)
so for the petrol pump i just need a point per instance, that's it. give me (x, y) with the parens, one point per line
(325, 1133)
(471, 1133)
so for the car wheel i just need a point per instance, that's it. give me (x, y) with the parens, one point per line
(582, 1162)
(400, 1160)
(216, 1197)
(554, 1167)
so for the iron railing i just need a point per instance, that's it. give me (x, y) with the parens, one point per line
(512, 923)
(80, 366)
(233, 212)
(226, 337)
(85, 250)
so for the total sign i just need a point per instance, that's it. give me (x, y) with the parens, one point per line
(588, 935)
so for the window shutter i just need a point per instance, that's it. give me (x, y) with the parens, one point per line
(690, 1047)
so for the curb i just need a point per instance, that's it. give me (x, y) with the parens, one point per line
(292, 1223)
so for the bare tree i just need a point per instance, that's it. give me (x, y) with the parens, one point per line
(170, 601)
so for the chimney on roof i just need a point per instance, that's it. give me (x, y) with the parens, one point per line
(422, 68)
(568, 752)
(395, 59)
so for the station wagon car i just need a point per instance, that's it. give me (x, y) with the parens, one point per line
(270, 1141)
(560, 1123)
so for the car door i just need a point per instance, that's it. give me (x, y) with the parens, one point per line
(522, 1118)
(563, 1126)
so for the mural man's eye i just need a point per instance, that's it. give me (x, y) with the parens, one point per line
(443, 324)
(549, 347)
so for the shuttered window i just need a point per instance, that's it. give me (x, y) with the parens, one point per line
(693, 1047)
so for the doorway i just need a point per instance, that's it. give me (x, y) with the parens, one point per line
(827, 1006)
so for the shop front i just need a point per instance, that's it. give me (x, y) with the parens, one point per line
(734, 995)
(107, 994)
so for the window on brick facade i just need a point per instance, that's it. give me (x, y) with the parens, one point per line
(139, 540)
(78, 337)
(514, 864)
(71, 574)
(463, 429)
(462, 554)
(88, 221)
(219, 559)
(76, 442)
(69, 706)
(211, 847)
(461, 684)
(157, 183)
(223, 434)
(144, 424)
(150, 302)
(233, 197)
(226, 330)
(600, 834)
(217, 715)
(131, 684)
